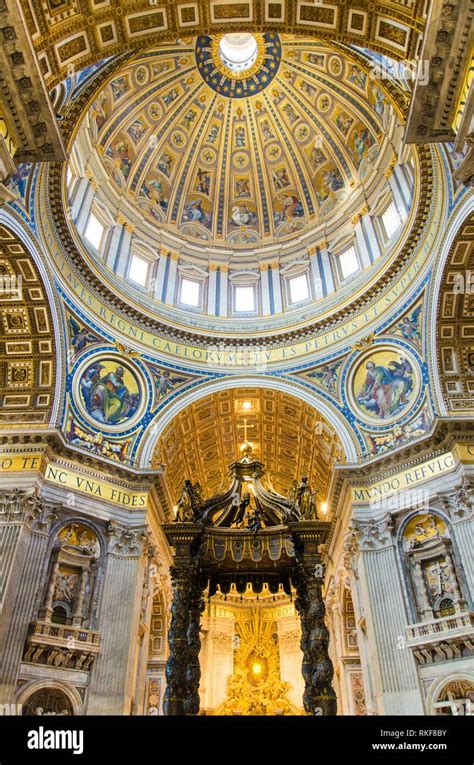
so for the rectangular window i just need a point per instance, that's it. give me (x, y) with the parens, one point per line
(244, 299)
(299, 288)
(190, 293)
(138, 271)
(349, 262)
(391, 220)
(94, 231)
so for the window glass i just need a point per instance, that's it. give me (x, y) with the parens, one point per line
(190, 292)
(299, 288)
(244, 299)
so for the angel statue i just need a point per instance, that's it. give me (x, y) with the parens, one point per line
(302, 496)
(189, 503)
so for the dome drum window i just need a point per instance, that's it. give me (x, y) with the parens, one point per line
(190, 293)
(95, 232)
(348, 263)
(245, 299)
(138, 270)
(391, 221)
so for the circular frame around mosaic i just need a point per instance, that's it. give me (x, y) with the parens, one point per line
(110, 392)
(384, 384)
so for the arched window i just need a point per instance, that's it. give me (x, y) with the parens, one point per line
(48, 701)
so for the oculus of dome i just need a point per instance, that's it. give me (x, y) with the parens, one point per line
(238, 51)
(234, 78)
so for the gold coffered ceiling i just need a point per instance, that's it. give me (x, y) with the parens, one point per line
(290, 437)
(72, 34)
(455, 326)
(27, 347)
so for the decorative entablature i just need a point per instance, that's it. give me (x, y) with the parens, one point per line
(65, 38)
(49, 461)
(443, 75)
(436, 473)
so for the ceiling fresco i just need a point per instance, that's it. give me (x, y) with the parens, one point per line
(237, 160)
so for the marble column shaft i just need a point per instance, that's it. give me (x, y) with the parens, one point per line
(382, 592)
(112, 674)
(23, 559)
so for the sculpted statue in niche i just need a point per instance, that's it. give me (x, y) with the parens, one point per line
(77, 535)
(73, 573)
(48, 702)
(429, 554)
(456, 698)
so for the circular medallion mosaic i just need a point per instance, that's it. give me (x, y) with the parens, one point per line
(384, 384)
(109, 391)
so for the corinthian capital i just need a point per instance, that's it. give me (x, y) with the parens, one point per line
(373, 535)
(26, 506)
(459, 503)
(127, 541)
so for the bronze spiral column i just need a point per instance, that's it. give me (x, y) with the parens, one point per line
(176, 693)
(319, 697)
(193, 669)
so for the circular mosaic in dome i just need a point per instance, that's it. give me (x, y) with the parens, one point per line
(238, 157)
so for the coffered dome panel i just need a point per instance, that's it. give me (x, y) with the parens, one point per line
(237, 157)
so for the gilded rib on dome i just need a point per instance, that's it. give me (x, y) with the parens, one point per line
(239, 158)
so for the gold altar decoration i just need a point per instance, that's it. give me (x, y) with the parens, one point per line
(256, 688)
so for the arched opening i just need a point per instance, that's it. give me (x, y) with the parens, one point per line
(267, 450)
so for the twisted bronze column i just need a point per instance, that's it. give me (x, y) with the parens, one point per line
(193, 670)
(174, 701)
(319, 697)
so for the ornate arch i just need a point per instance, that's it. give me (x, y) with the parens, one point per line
(71, 693)
(30, 377)
(340, 426)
